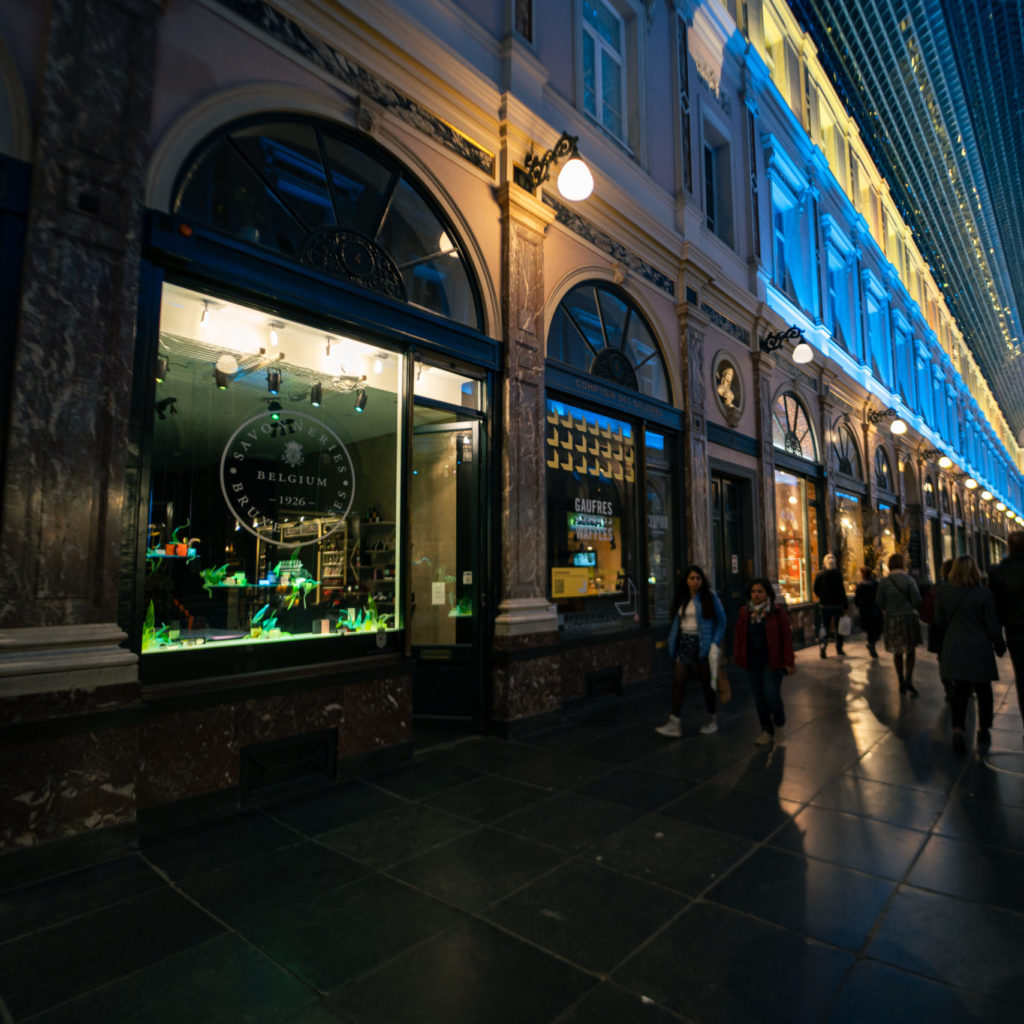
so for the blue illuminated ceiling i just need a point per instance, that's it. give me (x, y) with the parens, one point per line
(937, 89)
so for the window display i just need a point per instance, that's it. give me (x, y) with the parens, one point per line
(274, 481)
(886, 534)
(591, 484)
(851, 534)
(796, 505)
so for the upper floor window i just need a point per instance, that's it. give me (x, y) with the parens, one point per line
(717, 183)
(791, 427)
(929, 492)
(604, 65)
(334, 202)
(598, 329)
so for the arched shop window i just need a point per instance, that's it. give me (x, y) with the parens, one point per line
(796, 498)
(791, 428)
(845, 452)
(929, 492)
(612, 466)
(275, 446)
(334, 202)
(598, 329)
(883, 472)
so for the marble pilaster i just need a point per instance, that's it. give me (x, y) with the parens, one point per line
(63, 497)
(698, 509)
(763, 365)
(524, 608)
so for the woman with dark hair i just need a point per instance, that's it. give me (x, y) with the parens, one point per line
(763, 645)
(870, 614)
(966, 612)
(697, 623)
(900, 599)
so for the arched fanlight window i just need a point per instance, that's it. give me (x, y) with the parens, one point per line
(334, 202)
(845, 453)
(598, 329)
(944, 499)
(883, 472)
(929, 492)
(958, 509)
(791, 428)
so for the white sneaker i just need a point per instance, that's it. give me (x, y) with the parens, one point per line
(710, 726)
(779, 735)
(671, 728)
(764, 739)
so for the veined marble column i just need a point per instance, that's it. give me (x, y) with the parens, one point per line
(525, 615)
(763, 365)
(63, 496)
(695, 461)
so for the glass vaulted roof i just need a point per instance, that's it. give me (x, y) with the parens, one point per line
(937, 89)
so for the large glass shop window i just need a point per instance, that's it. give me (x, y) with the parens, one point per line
(851, 538)
(886, 535)
(592, 528)
(797, 511)
(274, 481)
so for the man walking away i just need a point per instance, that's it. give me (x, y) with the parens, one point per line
(830, 593)
(1007, 582)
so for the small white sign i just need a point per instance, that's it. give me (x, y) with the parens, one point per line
(437, 593)
(467, 578)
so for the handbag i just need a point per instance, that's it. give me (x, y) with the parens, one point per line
(844, 625)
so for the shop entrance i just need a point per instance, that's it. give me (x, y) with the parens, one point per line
(445, 566)
(732, 536)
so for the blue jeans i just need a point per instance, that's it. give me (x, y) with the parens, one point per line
(766, 682)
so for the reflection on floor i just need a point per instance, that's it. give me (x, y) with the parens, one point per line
(860, 872)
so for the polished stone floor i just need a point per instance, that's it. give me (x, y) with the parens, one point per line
(860, 872)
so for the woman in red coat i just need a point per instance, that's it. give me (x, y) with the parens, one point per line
(764, 647)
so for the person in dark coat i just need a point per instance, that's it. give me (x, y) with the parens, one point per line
(927, 613)
(763, 645)
(1007, 582)
(967, 612)
(899, 599)
(866, 600)
(830, 593)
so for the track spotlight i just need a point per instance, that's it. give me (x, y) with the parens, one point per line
(162, 365)
(222, 379)
(316, 395)
(274, 408)
(273, 381)
(360, 400)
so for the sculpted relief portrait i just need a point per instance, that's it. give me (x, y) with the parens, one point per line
(728, 389)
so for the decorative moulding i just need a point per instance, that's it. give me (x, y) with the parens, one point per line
(44, 659)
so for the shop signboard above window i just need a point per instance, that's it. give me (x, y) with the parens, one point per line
(274, 481)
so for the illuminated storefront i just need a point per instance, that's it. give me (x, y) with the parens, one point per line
(611, 484)
(797, 499)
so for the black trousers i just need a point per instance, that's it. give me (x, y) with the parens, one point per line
(962, 694)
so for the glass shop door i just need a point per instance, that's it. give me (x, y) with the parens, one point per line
(445, 565)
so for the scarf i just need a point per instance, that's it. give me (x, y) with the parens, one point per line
(758, 611)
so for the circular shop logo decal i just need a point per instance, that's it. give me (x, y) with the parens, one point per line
(272, 473)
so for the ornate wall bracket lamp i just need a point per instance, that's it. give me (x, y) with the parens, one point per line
(802, 352)
(876, 416)
(575, 182)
